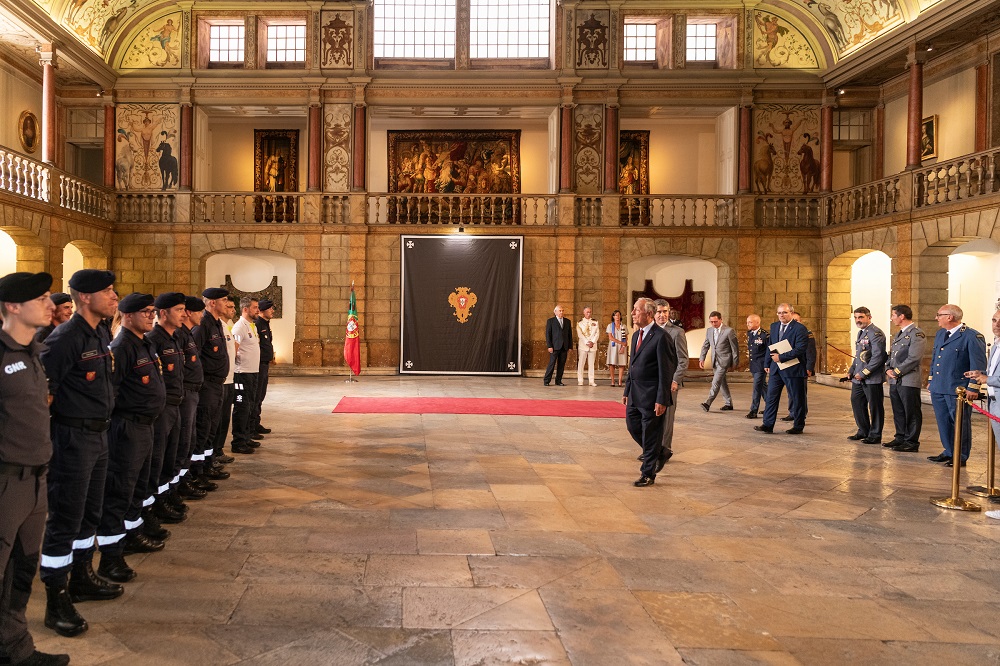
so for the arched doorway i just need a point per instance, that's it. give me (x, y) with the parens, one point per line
(253, 270)
(80, 254)
(28, 251)
(973, 276)
(854, 279)
(8, 254)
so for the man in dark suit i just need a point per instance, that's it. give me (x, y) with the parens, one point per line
(794, 377)
(559, 340)
(810, 362)
(647, 389)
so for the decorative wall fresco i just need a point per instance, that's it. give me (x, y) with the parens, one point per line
(853, 23)
(786, 149)
(588, 128)
(777, 44)
(146, 142)
(337, 147)
(592, 39)
(95, 22)
(157, 46)
(337, 40)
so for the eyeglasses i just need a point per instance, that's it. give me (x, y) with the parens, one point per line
(782, 311)
(942, 314)
(147, 313)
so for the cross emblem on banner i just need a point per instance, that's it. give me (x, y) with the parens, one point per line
(409, 245)
(409, 364)
(513, 245)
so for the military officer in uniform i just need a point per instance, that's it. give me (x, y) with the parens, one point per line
(25, 449)
(867, 374)
(139, 399)
(958, 350)
(903, 372)
(266, 339)
(676, 335)
(78, 364)
(588, 333)
(193, 379)
(63, 311)
(757, 344)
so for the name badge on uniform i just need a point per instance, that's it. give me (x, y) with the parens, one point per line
(89, 354)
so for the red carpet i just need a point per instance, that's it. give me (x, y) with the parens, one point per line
(605, 409)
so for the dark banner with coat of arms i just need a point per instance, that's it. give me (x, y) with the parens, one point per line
(461, 305)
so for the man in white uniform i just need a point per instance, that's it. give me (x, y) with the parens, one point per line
(587, 333)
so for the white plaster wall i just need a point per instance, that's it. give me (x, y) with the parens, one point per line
(72, 262)
(252, 270)
(726, 128)
(230, 153)
(974, 282)
(843, 169)
(201, 175)
(954, 101)
(536, 147)
(668, 275)
(683, 158)
(17, 94)
(871, 287)
(8, 254)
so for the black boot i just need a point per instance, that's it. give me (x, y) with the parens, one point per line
(37, 658)
(174, 501)
(216, 473)
(164, 513)
(202, 483)
(188, 491)
(60, 615)
(137, 542)
(114, 568)
(85, 585)
(151, 525)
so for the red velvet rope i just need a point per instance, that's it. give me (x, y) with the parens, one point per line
(982, 411)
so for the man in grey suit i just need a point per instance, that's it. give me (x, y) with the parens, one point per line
(991, 380)
(676, 334)
(867, 374)
(903, 372)
(721, 341)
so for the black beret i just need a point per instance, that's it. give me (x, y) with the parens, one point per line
(169, 300)
(91, 280)
(265, 304)
(215, 292)
(194, 304)
(23, 287)
(134, 302)
(58, 298)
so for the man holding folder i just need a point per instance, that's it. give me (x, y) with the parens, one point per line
(786, 368)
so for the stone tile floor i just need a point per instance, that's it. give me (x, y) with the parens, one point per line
(474, 540)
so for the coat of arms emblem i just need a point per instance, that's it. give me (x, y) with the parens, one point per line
(463, 301)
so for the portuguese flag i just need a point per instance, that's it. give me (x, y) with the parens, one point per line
(352, 342)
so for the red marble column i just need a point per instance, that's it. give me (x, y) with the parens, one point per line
(746, 150)
(826, 148)
(187, 146)
(315, 149)
(566, 150)
(878, 148)
(110, 136)
(982, 106)
(610, 149)
(360, 167)
(48, 59)
(915, 108)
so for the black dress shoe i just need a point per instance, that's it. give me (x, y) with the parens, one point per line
(644, 481)
(951, 463)
(257, 436)
(547, 383)
(60, 615)
(872, 440)
(137, 542)
(560, 384)
(855, 438)
(893, 444)
(939, 458)
(37, 658)
(705, 406)
(946, 460)
(217, 474)
(993, 499)
(906, 448)
(662, 460)
(794, 431)
(241, 448)
(762, 428)
(115, 569)
(726, 408)
(252, 443)
(262, 430)
(788, 418)
(751, 415)
(223, 459)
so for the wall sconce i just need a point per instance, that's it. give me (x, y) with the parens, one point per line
(100, 93)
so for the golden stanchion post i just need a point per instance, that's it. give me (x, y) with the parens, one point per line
(956, 502)
(990, 489)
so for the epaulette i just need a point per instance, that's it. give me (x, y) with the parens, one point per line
(920, 334)
(980, 336)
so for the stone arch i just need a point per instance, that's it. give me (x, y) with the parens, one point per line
(30, 249)
(79, 254)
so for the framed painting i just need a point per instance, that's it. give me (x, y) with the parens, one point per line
(633, 175)
(928, 138)
(467, 162)
(27, 131)
(276, 169)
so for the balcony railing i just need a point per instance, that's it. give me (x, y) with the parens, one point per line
(461, 209)
(958, 179)
(865, 202)
(677, 211)
(138, 207)
(788, 212)
(247, 207)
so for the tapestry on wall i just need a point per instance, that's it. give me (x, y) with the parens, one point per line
(275, 169)
(633, 175)
(272, 292)
(461, 305)
(786, 149)
(157, 46)
(146, 141)
(690, 303)
(471, 162)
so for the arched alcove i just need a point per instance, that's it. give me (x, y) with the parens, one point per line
(973, 276)
(253, 270)
(861, 277)
(80, 254)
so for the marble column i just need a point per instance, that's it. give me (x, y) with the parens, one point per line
(826, 148)
(47, 59)
(746, 150)
(315, 148)
(610, 149)
(915, 107)
(110, 136)
(187, 146)
(358, 158)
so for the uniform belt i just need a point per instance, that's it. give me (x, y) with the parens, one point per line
(141, 419)
(191, 386)
(94, 425)
(173, 402)
(10, 469)
(214, 379)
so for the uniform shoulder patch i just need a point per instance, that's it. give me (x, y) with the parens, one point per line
(810, 334)
(980, 337)
(920, 334)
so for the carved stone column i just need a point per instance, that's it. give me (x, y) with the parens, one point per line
(187, 146)
(109, 145)
(610, 149)
(47, 59)
(746, 150)
(826, 148)
(982, 106)
(359, 132)
(566, 149)
(315, 170)
(915, 106)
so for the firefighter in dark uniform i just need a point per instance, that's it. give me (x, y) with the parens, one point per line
(139, 399)
(63, 311)
(264, 337)
(25, 449)
(211, 340)
(164, 338)
(79, 365)
(193, 377)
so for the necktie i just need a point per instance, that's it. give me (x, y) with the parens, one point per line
(781, 334)
(859, 335)
(638, 343)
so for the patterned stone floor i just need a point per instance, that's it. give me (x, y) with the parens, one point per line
(473, 540)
